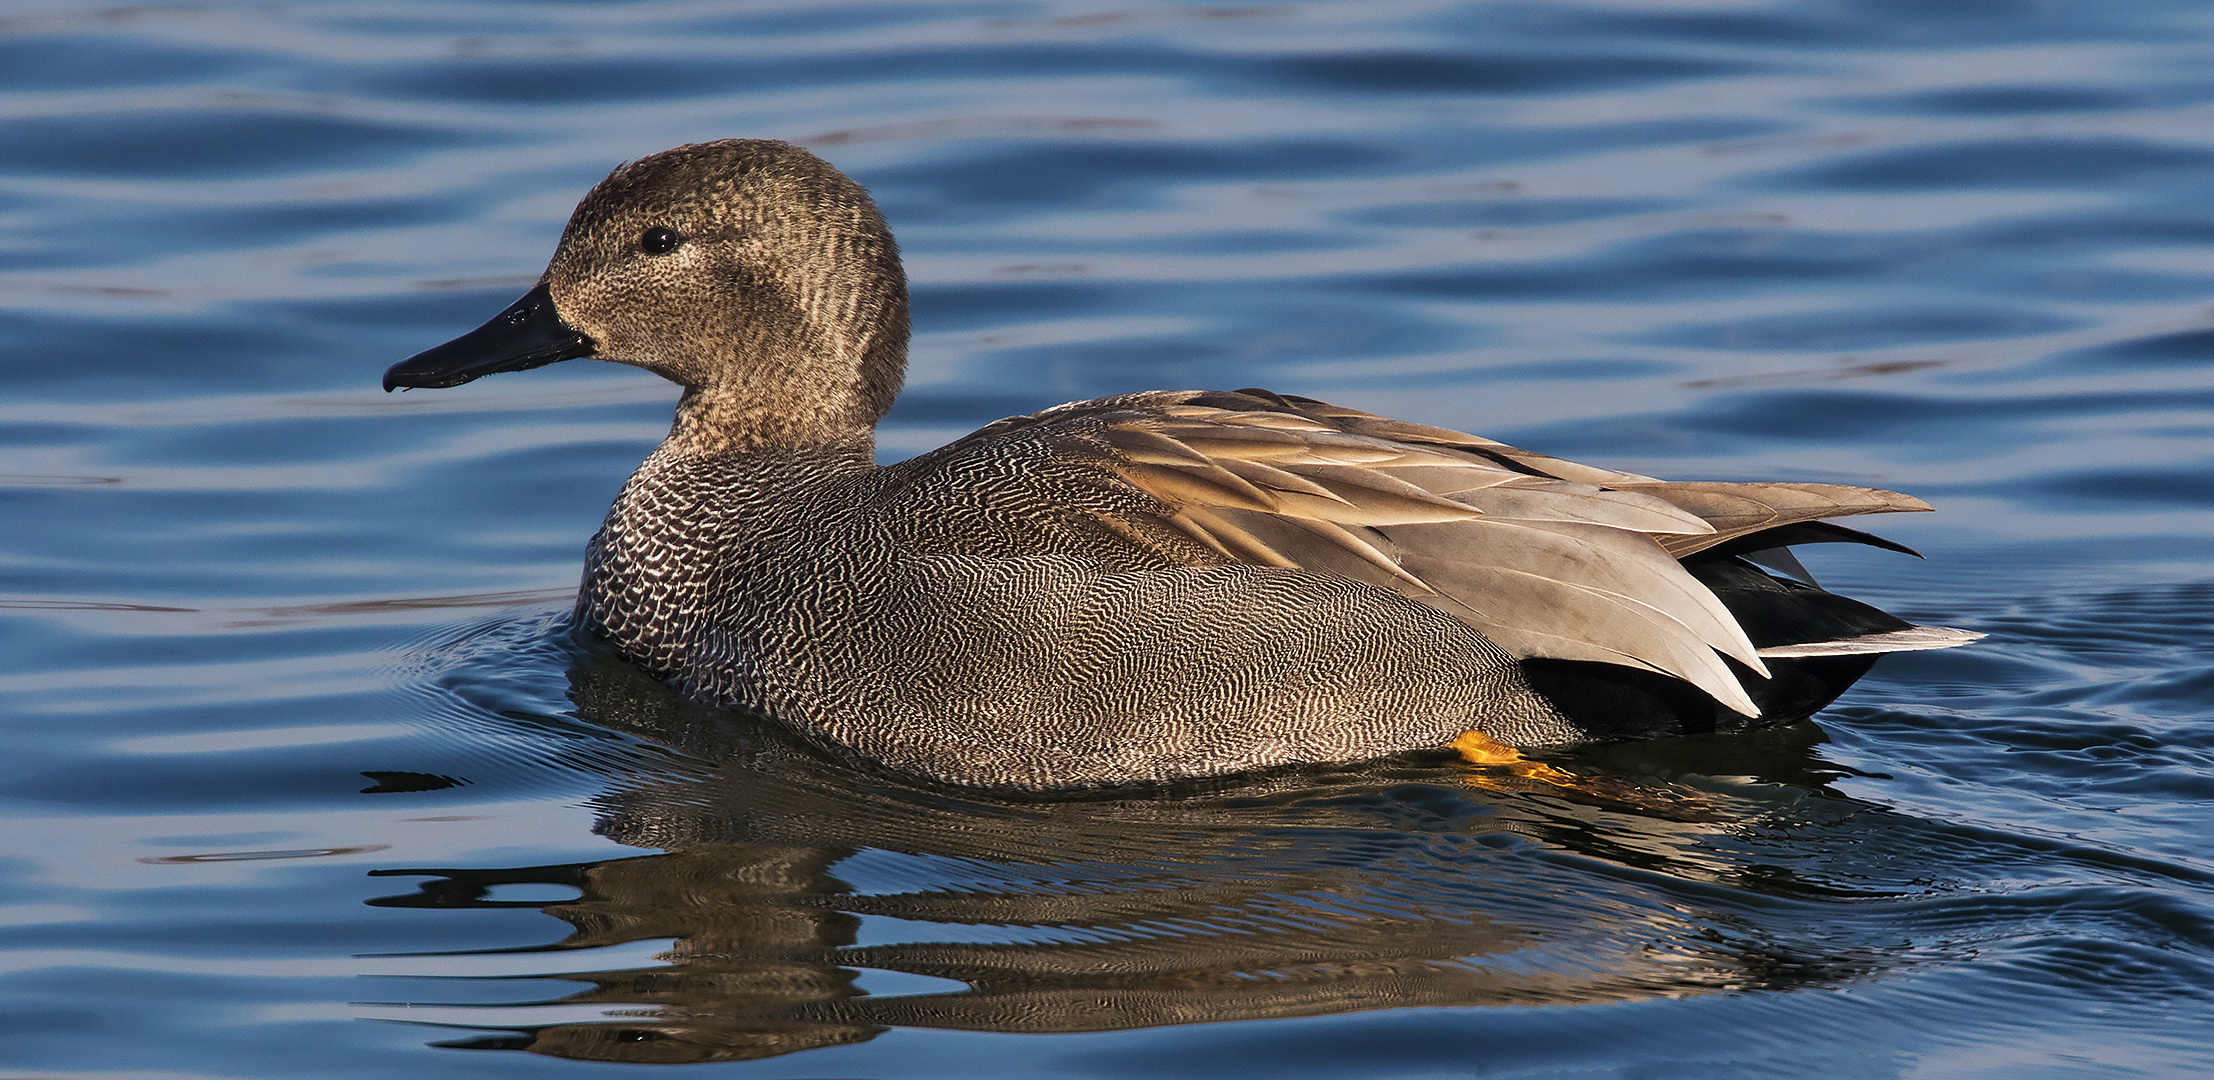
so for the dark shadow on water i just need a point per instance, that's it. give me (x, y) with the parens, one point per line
(790, 882)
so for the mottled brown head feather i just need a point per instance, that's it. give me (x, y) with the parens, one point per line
(782, 256)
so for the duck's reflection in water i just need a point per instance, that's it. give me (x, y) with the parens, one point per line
(790, 884)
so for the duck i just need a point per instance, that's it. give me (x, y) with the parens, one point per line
(1150, 587)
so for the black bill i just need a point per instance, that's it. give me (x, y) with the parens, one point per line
(528, 334)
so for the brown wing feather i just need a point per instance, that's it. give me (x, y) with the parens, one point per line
(1546, 557)
(1741, 509)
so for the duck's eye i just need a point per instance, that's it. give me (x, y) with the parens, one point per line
(660, 241)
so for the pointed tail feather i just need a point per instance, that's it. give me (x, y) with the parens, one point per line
(1911, 639)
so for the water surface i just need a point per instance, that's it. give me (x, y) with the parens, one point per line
(304, 778)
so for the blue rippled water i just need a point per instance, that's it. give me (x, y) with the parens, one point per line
(301, 777)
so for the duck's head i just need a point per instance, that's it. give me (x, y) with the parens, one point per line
(748, 271)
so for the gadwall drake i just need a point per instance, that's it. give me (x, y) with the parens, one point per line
(1137, 588)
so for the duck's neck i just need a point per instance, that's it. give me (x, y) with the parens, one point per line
(725, 423)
